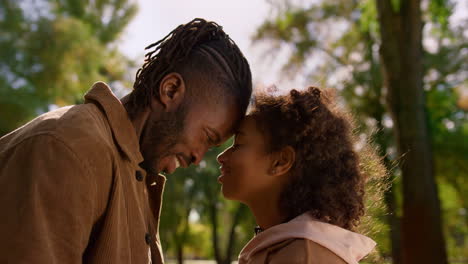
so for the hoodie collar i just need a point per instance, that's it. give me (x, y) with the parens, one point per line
(350, 246)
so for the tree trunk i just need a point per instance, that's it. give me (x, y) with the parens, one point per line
(401, 54)
(389, 197)
(214, 229)
(180, 254)
(395, 225)
(377, 112)
(183, 237)
(232, 234)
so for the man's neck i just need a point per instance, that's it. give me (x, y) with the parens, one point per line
(139, 120)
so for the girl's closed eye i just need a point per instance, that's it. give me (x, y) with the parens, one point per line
(236, 146)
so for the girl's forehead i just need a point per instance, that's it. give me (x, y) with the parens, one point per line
(249, 129)
(247, 124)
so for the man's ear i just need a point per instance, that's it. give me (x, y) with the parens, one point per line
(282, 161)
(172, 91)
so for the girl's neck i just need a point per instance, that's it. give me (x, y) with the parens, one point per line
(266, 211)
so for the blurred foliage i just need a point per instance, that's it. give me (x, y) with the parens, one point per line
(342, 40)
(52, 51)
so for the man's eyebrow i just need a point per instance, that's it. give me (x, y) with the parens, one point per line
(217, 140)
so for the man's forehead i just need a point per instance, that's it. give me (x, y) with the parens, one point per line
(222, 118)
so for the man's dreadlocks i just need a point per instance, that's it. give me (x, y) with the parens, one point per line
(196, 50)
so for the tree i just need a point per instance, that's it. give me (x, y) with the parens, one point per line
(401, 55)
(340, 40)
(52, 51)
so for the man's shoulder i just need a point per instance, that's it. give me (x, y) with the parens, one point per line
(302, 251)
(81, 127)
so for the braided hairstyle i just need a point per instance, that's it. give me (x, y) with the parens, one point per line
(203, 54)
(326, 177)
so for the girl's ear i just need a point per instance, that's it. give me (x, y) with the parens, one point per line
(282, 161)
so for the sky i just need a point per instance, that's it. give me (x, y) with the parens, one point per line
(239, 18)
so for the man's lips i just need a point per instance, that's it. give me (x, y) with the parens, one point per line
(183, 161)
(171, 162)
(177, 162)
(172, 165)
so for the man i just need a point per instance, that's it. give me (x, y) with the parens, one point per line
(81, 183)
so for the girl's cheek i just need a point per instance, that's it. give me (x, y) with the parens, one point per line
(239, 162)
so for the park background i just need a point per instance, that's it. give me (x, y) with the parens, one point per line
(412, 51)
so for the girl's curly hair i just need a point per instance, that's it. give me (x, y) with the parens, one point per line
(327, 179)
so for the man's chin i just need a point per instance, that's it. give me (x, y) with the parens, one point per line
(150, 167)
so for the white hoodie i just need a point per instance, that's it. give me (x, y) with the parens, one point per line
(350, 246)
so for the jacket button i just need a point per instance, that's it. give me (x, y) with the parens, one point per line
(139, 176)
(148, 238)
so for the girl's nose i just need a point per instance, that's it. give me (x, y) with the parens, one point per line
(222, 157)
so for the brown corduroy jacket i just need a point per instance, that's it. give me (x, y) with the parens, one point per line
(73, 190)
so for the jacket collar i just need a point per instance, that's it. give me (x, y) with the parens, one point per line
(122, 128)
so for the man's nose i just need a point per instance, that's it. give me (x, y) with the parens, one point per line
(196, 161)
(198, 156)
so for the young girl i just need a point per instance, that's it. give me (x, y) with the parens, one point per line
(294, 165)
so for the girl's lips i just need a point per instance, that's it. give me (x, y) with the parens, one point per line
(224, 170)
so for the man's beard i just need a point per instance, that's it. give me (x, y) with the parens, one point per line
(161, 136)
